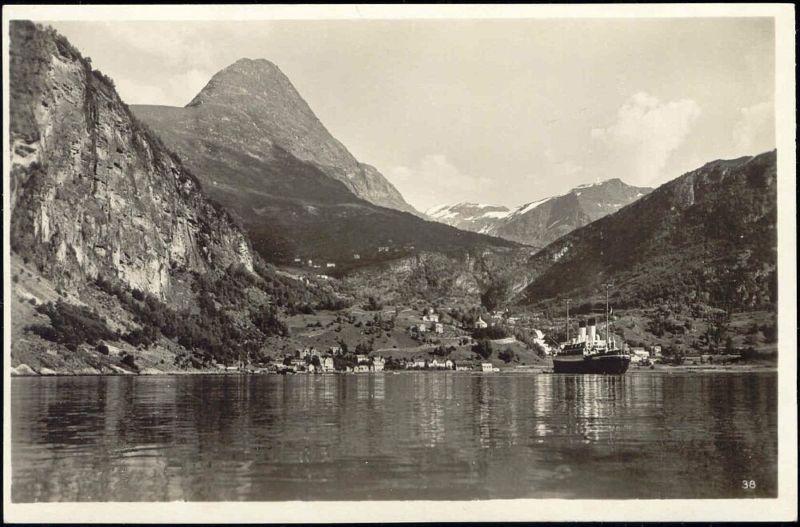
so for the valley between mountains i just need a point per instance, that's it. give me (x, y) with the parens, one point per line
(237, 231)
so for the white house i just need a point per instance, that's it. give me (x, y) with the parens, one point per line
(327, 363)
(480, 324)
(430, 316)
(487, 367)
(463, 366)
(361, 368)
(639, 355)
(362, 358)
(330, 265)
(438, 327)
(448, 364)
(378, 363)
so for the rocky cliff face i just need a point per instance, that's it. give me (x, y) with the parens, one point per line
(92, 192)
(540, 222)
(252, 107)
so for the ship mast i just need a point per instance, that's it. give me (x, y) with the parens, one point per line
(608, 343)
(567, 320)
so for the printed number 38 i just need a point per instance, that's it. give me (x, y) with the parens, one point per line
(748, 484)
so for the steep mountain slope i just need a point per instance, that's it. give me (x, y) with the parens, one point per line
(92, 193)
(259, 151)
(708, 236)
(252, 107)
(540, 222)
(112, 238)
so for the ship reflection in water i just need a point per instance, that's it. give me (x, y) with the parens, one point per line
(384, 436)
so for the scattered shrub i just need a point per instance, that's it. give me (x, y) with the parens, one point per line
(506, 355)
(483, 348)
(72, 325)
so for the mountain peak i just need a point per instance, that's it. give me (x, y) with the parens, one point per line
(247, 78)
(250, 106)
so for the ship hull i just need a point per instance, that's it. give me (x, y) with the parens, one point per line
(603, 364)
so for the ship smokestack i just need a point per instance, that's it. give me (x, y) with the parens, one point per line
(582, 331)
(592, 330)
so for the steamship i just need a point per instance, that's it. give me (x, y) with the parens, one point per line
(587, 353)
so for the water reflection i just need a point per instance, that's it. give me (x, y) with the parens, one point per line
(406, 436)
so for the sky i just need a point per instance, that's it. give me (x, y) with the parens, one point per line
(489, 111)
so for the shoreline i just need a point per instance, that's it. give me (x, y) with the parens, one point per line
(539, 370)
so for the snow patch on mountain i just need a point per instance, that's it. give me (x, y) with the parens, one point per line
(524, 209)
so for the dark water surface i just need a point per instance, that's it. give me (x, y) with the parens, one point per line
(393, 436)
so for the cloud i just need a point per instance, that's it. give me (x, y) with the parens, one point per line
(754, 133)
(175, 90)
(435, 180)
(645, 133)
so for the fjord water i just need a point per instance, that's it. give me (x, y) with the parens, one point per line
(393, 436)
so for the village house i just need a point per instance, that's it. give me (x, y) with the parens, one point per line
(361, 368)
(378, 363)
(330, 265)
(487, 367)
(361, 358)
(430, 316)
(480, 324)
(438, 327)
(335, 350)
(298, 260)
(419, 364)
(383, 249)
(448, 364)
(297, 365)
(356, 256)
(417, 328)
(463, 365)
(326, 363)
(639, 356)
(435, 364)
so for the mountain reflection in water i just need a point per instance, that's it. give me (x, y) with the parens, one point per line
(384, 436)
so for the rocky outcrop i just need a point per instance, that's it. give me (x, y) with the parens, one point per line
(92, 191)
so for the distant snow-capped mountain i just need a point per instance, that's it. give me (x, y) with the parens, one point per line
(542, 221)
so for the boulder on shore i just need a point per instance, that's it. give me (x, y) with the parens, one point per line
(22, 369)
